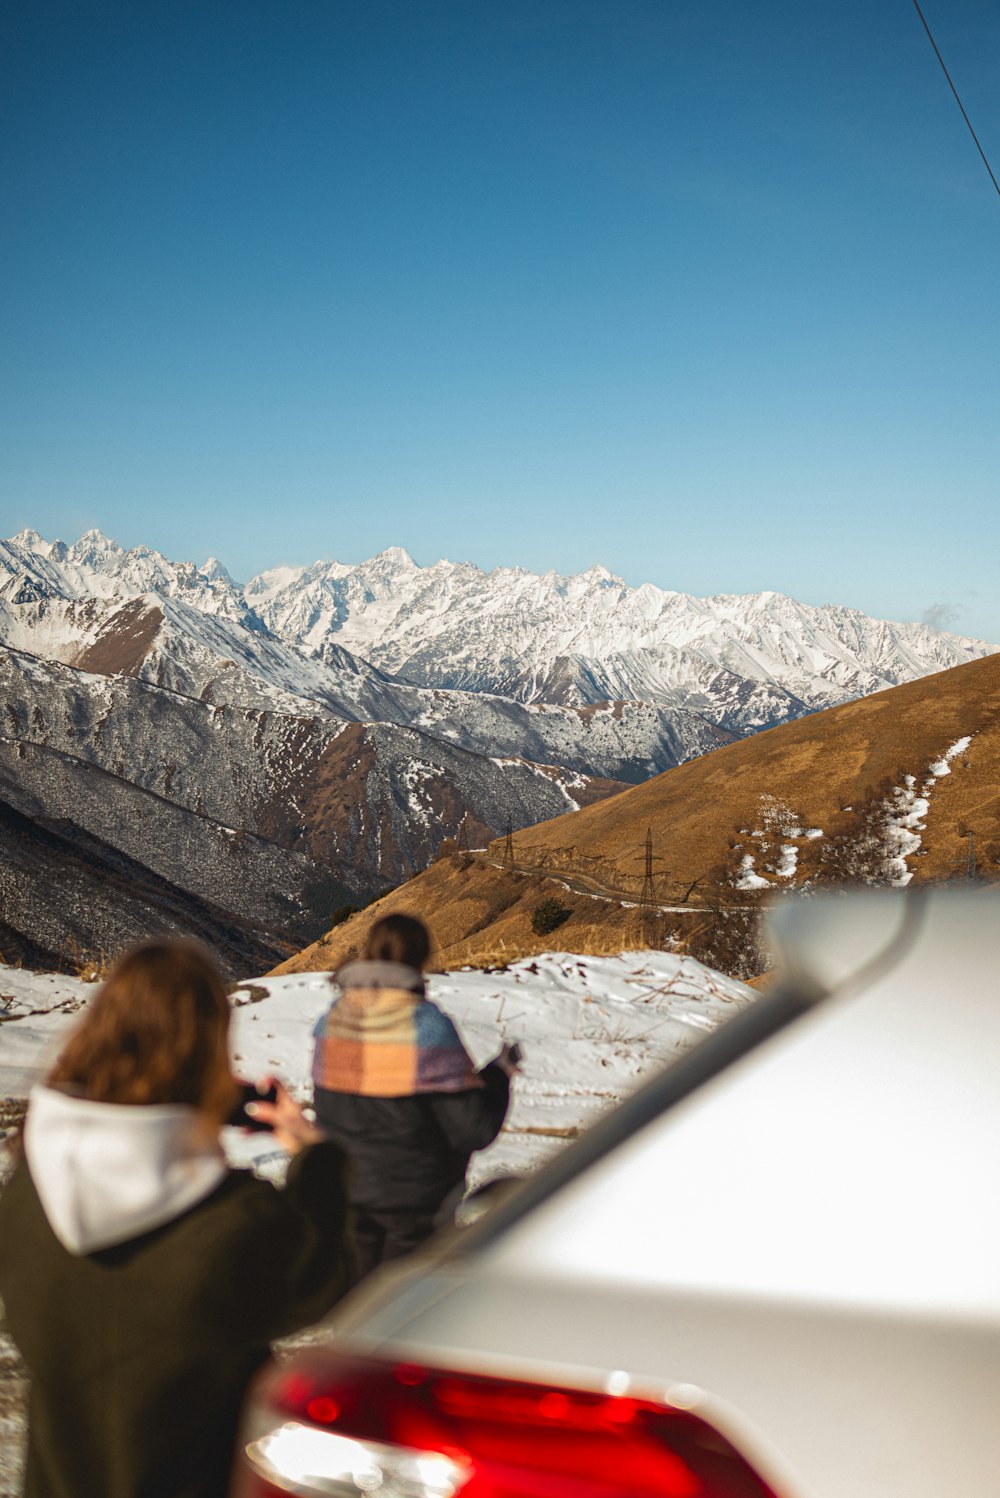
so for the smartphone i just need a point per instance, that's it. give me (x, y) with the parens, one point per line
(251, 1093)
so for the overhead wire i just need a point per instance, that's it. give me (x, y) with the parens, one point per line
(958, 101)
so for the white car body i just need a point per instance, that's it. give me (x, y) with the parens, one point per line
(802, 1247)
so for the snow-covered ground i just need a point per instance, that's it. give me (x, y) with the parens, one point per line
(590, 1027)
(36, 1010)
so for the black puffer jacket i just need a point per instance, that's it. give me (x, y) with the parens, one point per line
(408, 1154)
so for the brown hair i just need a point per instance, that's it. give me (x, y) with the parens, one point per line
(399, 938)
(157, 1032)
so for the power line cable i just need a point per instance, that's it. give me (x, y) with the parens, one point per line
(958, 101)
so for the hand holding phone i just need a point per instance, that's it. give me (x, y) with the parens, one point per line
(251, 1093)
(291, 1128)
(511, 1056)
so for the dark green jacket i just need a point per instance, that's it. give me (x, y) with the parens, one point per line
(139, 1354)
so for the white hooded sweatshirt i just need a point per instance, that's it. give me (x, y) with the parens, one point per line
(108, 1172)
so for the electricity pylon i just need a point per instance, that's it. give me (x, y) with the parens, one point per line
(648, 896)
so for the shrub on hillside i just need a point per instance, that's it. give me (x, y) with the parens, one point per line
(860, 853)
(548, 916)
(341, 914)
(729, 942)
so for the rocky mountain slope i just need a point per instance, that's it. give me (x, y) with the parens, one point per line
(69, 901)
(900, 788)
(277, 816)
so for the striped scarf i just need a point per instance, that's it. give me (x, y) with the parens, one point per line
(383, 1038)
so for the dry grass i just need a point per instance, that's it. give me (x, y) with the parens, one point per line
(89, 968)
(456, 896)
(814, 773)
(817, 767)
(761, 983)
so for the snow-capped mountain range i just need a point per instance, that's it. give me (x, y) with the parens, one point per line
(276, 748)
(741, 662)
(102, 609)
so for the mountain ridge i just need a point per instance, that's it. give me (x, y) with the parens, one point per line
(740, 662)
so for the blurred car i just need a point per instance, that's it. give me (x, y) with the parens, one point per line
(774, 1270)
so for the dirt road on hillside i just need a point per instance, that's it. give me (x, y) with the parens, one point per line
(584, 884)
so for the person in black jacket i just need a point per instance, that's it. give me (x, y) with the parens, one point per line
(143, 1279)
(395, 1088)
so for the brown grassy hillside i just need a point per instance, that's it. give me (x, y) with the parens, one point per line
(828, 786)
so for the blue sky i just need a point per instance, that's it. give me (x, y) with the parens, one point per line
(705, 292)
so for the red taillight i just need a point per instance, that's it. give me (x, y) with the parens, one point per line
(407, 1429)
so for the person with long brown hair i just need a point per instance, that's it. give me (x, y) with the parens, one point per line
(142, 1278)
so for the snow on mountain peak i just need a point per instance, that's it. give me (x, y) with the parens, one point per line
(274, 579)
(95, 543)
(97, 567)
(393, 559)
(214, 572)
(601, 577)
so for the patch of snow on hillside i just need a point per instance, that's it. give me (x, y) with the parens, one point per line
(908, 810)
(415, 777)
(903, 829)
(746, 877)
(779, 858)
(560, 779)
(943, 765)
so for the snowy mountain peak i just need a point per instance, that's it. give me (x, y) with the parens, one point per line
(214, 572)
(95, 543)
(393, 559)
(601, 577)
(274, 579)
